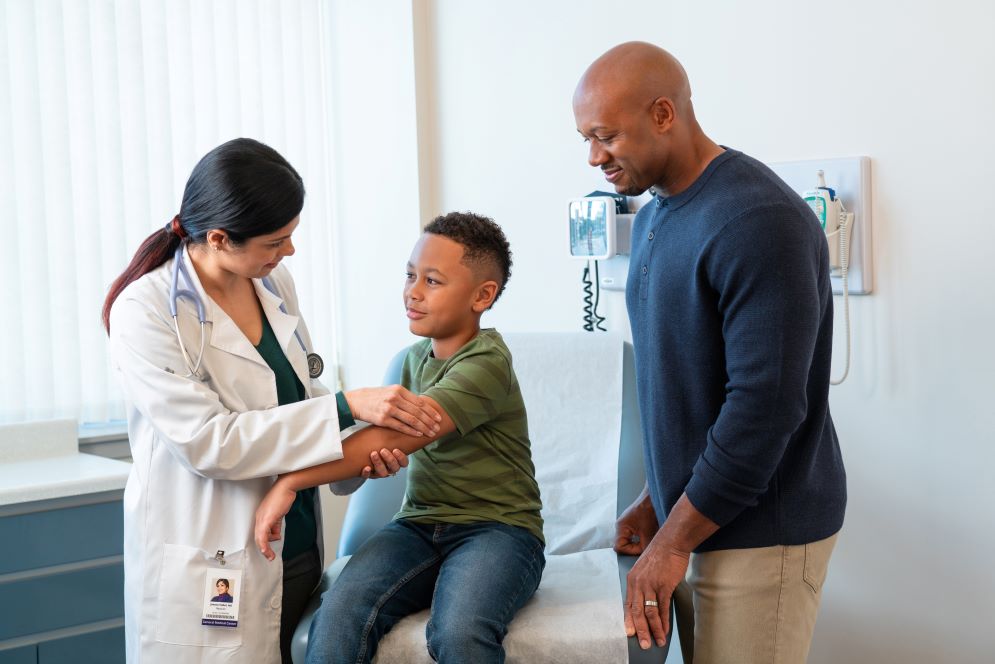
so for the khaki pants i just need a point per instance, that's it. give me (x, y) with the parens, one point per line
(751, 606)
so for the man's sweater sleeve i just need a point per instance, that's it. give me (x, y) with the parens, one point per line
(765, 267)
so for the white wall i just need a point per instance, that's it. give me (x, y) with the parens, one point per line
(911, 580)
(375, 189)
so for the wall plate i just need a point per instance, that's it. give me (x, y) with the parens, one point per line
(851, 178)
(612, 273)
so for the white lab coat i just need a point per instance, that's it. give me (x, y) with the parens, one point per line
(205, 452)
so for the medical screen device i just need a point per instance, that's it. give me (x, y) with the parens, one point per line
(600, 228)
(592, 228)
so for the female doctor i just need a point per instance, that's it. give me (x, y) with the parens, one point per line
(219, 377)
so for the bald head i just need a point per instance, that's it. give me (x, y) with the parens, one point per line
(633, 107)
(635, 73)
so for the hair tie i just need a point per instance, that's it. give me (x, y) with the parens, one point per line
(176, 228)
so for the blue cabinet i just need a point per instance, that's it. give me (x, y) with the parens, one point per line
(62, 582)
(22, 655)
(105, 647)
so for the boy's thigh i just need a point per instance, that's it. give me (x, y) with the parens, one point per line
(389, 577)
(489, 570)
(757, 605)
(398, 558)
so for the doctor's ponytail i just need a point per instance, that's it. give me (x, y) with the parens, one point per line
(242, 187)
(155, 250)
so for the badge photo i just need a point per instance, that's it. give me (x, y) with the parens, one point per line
(222, 592)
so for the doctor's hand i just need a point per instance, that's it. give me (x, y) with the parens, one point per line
(385, 464)
(636, 527)
(395, 408)
(269, 516)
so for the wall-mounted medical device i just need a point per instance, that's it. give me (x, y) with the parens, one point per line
(836, 223)
(600, 231)
(839, 193)
(592, 228)
(849, 180)
(600, 226)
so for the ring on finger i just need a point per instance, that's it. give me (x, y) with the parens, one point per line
(651, 602)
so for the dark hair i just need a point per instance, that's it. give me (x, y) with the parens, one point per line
(224, 581)
(242, 187)
(483, 242)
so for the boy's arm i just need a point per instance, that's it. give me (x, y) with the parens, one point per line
(356, 450)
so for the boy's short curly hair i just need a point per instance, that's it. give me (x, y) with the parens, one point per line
(484, 243)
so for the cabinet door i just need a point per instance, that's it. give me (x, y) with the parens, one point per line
(57, 537)
(25, 655)
(65, 599)
(105, 647)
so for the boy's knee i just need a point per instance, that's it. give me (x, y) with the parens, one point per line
(338, 629)
(330, 600)
(339, 603)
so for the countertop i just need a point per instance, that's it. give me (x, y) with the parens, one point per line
(42, 461)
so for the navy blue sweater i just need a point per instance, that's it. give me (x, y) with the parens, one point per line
(732, 321)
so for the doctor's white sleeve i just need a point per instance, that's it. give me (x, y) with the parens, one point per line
(190, 419)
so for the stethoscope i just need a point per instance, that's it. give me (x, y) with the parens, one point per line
(315, 365)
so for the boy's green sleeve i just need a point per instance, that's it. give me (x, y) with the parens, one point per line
(473, 390)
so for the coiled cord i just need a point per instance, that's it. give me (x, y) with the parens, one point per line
(592, 320)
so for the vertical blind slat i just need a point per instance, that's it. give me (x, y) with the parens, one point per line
(55, 250)
(30, 321)
(11, 351)
(81, 189)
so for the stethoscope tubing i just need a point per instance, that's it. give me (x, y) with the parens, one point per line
(175, 293)
(315, 363)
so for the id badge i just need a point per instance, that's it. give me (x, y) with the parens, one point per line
(222, 592)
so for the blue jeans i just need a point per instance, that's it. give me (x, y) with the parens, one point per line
(474, 576)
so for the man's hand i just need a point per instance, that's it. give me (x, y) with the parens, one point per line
(636, 527)
(269, 516)
(653, 578)
(659, 570)
(395, 408)
(385, 464)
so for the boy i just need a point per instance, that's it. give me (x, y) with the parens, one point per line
(468, 540)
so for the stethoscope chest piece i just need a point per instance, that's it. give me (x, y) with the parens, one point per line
(315, 365)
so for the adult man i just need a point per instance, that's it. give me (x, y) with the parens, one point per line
(731, 310)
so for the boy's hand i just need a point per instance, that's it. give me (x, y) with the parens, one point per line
(385, 464)
(269, 516)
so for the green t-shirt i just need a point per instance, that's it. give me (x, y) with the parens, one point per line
(483, 471)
